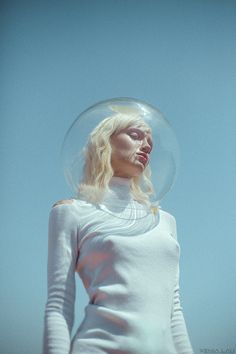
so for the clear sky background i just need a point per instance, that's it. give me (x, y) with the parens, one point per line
(58, 58)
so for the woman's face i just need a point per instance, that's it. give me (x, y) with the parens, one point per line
(131, 148)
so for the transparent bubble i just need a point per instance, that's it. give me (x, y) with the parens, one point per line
(165, 156)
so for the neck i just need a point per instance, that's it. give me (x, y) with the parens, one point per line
(118, 190)
(118, 200)
(120, 181)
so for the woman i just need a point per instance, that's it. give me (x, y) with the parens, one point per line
(125, 251)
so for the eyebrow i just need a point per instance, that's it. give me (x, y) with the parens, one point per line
(141, 130)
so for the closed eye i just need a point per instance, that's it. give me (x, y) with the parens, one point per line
(136, 134)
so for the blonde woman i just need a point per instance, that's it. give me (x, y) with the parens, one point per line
(125, 251)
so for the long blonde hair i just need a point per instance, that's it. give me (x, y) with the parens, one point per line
(98, 170)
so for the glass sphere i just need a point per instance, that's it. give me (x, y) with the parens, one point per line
(164, 158)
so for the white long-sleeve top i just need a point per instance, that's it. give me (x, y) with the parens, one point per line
(129, 266)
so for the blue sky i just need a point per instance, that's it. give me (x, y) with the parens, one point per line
(58, 58)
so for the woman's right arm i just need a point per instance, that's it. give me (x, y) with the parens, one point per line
(62, 256)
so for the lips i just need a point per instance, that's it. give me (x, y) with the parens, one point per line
(143, 157)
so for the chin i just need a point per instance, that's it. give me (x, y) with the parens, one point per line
(130, 170)
(137, 173)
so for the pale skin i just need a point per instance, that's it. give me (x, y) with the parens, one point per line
(131, 148)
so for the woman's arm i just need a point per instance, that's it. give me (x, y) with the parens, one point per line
(62, 256)
(178, 325)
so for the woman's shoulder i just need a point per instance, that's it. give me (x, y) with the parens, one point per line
(71, 201)
(62, 208)
(70, 212)
(167, 217)
(167, 214)
(72, 206)
(63, 202)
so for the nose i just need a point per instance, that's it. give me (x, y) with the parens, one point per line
(146, 147)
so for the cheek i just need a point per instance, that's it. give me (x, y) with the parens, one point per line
(123, 145)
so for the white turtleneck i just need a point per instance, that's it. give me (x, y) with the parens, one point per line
(128, 261)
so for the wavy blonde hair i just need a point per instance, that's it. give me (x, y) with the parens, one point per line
(98, 170)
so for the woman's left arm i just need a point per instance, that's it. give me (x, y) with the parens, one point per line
(178, 325)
